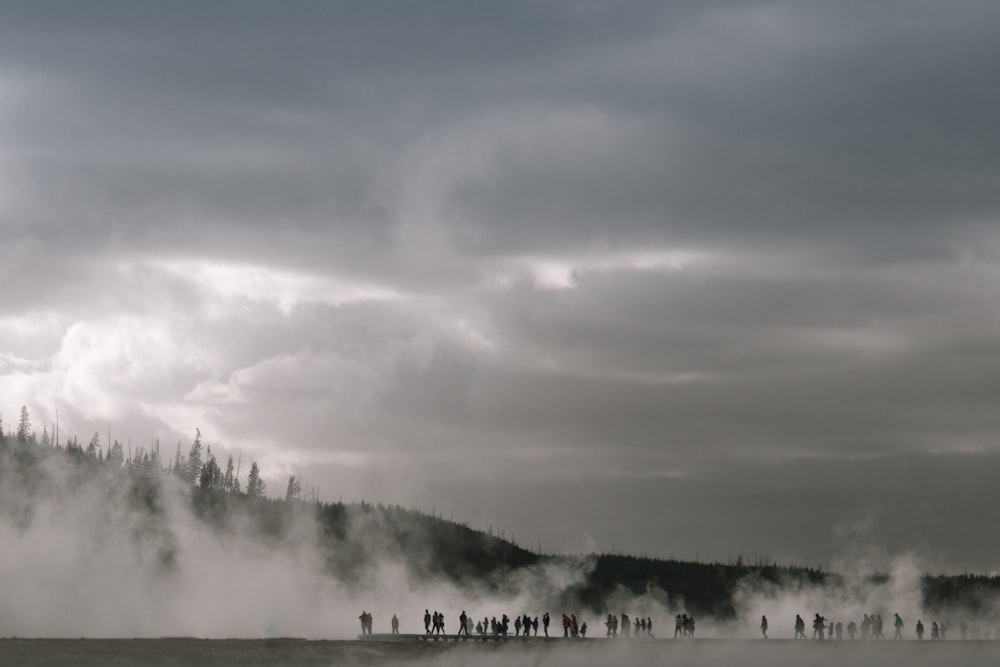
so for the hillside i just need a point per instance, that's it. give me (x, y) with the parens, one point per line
(145, 496)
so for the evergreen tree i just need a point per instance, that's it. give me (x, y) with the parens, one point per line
(46, 440)
(255, 485)
(194, 459)
(116, 455)
(24, 426)
(293, 490)
(228, 481)
(95, 445)
(211, 473)
(179, 467)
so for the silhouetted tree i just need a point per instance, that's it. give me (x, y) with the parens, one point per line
(95, 445)
(211, 473)
(255, 485)
(24, 426)
(194, 459)
(293, 490)
(229, 479)
(116, 456)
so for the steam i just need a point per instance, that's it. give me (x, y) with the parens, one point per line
(81, 559)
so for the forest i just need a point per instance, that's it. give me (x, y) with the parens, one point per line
(352, 538)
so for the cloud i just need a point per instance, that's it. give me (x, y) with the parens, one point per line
(440, 243)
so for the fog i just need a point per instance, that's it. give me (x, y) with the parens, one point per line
(82, 559)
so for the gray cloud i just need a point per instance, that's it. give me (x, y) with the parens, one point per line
(563, 265)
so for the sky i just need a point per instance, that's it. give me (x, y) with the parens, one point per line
(685, 279)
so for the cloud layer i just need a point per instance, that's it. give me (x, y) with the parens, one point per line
(683, 279)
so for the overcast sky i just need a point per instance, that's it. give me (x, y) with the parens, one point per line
(686, 279)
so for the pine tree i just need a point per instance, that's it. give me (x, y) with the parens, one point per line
(211, 473)
(294, 489)
(116, 455)
(95, 445)
(194, 459)
(24, 426)
(255, 485)
(179, 468)
(230, 477)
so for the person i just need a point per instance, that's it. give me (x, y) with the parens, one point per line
(866, 627)
(565, 624)
(920, 630)
(427, 622)
(574, 628)
(364, 622)
(763, 626)
(898, 623)
(852, 630)
(610, 625)
(517, 626)
(935, 633)
(678, 625)
(877, 626)
(649, 627)
(818, 627)
(638, 628)
(545, 623)
(534, 625)
(462, 620)
(626, 627)
(395, 624)
(583, 631)
(800, 627)
(479, 628)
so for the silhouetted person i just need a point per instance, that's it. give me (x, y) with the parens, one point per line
(545, 623)
(462, 620)
(866, 627)
(935, 633)
(852, 630)
(818, 627)
(678, 625)
(800, 627)
(583, 631)
(427, 622)
(898, 624)
(534, 625)
(920, 630)
(649, 627)
(364, 622)
(763, 626)
(395, 624)
(517, 626)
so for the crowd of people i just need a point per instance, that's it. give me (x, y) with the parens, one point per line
(871, 627)
(526, 625)
(624, 626)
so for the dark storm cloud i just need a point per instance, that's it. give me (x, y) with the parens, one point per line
(614, 253)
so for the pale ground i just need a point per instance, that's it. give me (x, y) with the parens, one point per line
(596, 653)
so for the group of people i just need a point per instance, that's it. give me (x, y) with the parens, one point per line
(524, 625)
(527, 626)
(870, 628)
(366, 623)
(643, 626)
(684, 626)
